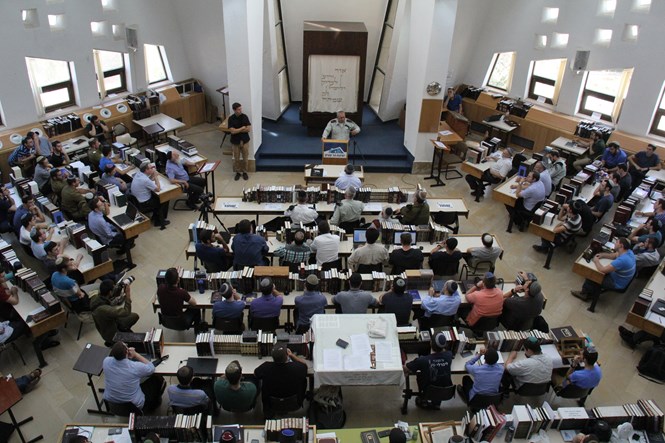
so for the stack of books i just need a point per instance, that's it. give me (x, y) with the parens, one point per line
(150, 343)
(179, 427)
(507, 341)
(274, 428)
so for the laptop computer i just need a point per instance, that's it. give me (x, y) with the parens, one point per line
(397, 240)
(493, 118)
(359, 237)
(203, 366)
(127, 217)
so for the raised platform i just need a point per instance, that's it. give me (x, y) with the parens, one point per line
(287, 147)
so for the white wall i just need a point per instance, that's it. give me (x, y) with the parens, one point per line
(201, 26)
(295, 12)
(155, 25)
(579, 19)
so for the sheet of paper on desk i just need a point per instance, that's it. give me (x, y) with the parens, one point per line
(332, 359)
(384, 351)
(481, 361)
(439, 144)
(360, 344)
(357, 362)
(552, 352)
(273, 206)
(36, 311)
(373, 207)
(122, 167)
(445, 205)
(232, 205)
(446, 132)
(208, 167)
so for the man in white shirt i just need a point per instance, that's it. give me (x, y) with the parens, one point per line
(347, 179)
(301, 213)
(326, 246)
(502, 164)
(544, 177)
(144, 186)
(535, 368)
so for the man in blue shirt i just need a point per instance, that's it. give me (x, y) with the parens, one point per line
(433, 369)
(269, 305)
(529, 191)
(107, 158)
(145, 185)
(453, 102)
(108, 178)
(105, 231)
(66, 287)
(310, 303)
(176, 172)
(612, 157)
(231, 306)
(248, 249)
(23, 156)
(618, 273)
(123, 371)
(584, 373)
(486, 377)
(42, 144)
(188, 393)
(445, 303)
(642, 162)
(213, 257)
(606, 200)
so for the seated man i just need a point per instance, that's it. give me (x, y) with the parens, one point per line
(486, 298)
(172, 297)
(284, 377)
(72, 202)
(213, 256)
(24, 156)
(570, 223)
(301, 212)
(110, 318)
(144, 187)
(347, 211)
(326, 246)
(107, 233)
(432, 369)
(123, 371)
(309, 303)
(43, 174)
(536, 368)
(650, 229)
(189, 392)
(108, 159)
(612, 157)
(347, 179)
(642, 162)
(618, 274)
(486, 252)
(58, 155)
(445, 303)
(398, 302)
(232, 393)
(416, 213)
(658, 212)
(529, 191)
(556, 167)
(109, 178)
(7, 210)
(94, 154)
(519, 311)
(177, 174)
(486, 377)
(29, 227)
(370, 254)
(231, 306)
(584, 376)
(27, 206)
(605, 200)
(624, 180)
(57, 182)
(405, 257)
(248, 249)
(39, 237)
(588, 219)
(66, 287)
(646, 254)
(544, 177)
(502, 163)
(294, 253)
(453, 102)
(269, 305)
(96, 129)
(444, 259)
(355, 300)
(596, 149)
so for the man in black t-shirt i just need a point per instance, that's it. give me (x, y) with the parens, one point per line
(432, 369)
(283, 377)
(239, 126)
(398, 302)
(406, 257)
(445, 258)
(97, 128)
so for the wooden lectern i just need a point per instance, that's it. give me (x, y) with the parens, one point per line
(9, 396)
(335, 152)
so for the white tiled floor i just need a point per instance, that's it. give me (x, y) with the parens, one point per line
(63, 396)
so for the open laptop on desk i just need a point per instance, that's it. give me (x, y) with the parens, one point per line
(203, 366)
(397, 240)
(359, 237)
(494, 118)
(128, 217)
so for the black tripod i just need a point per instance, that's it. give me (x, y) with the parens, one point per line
(355, 147)
(206, 208)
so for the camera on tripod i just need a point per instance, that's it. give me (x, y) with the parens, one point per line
(206, 199)
(118, 295)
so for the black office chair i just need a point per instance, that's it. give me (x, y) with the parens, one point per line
(336, 264)
(484, 401)
(592, 307)
(229, 326)
(368, 269)
(122, 409)
(436, 320)
(448, 219)
(349, 226)
(192, 410)
(285, 405)
(269, 324)
(570, 391)
(479, 269)
(533, 389)
(434, 394)
(176, 323)
(12, 345)
(485, 324)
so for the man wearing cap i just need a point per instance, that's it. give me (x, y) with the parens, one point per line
(486, 376)
(397, 436)
(269, 305)
(519, 311)
(144, 187)
(294, 253)
(239, 127)
(432, 369)
(108, 178)
(502, 163)
(42, 174)
(398, 302)
(248, 249)
(105, 231)
(369, 254)
(446, 303)
(310, 303)
(72, 202)
(355, 300)
(348, 210)
(177, 174)
(109, 319)
(487, 300)
(536, 368)
(486, 252)
(232, 393)
(340, 128)
(230, 306)
(326, 246)
(405, 257)
(283, 377)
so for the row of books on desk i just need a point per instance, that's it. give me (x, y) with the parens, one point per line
(257, 343)
(286, 233)
(181, 427)
(150, 343)
(324, 193)
(29, 282)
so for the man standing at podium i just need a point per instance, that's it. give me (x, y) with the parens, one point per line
(340, 128)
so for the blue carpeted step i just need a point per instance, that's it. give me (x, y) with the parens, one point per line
(283, 164)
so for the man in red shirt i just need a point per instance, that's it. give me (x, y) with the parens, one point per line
(487, 300)
(171, 299)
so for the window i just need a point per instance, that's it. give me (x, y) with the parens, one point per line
(603, 93)
(156, 64)
(111, 72)
(382, 56)
(500, 73)
(545, 80)
(658, 122)
(52, 83)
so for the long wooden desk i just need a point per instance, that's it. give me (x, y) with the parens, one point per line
(168, 123)
(133, 229)
(168, 191)
(502, 127)
(330, 174)
(569, 146)
(27, 305)
(197, 160)
(589, 270)
(476, 169)
(651, 322)
(504, 193)
(87, 266)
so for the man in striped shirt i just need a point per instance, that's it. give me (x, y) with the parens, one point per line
(570, 222)
(296, 252)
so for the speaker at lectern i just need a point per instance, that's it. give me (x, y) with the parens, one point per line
(335, 152)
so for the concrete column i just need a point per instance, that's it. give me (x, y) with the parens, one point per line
(243, 37)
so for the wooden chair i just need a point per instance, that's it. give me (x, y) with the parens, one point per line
(480, 268)
(456, 156)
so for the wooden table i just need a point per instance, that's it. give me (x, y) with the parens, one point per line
(651, 322)
(330, 173)
(87, 266)
(504, 193)
(657, 175)
(168, 191)
(167, 123)
(569, 146)
(502, 127)
(196, 160)
(588, 269)
(441, 146)
(476, 169)
(26, 305)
